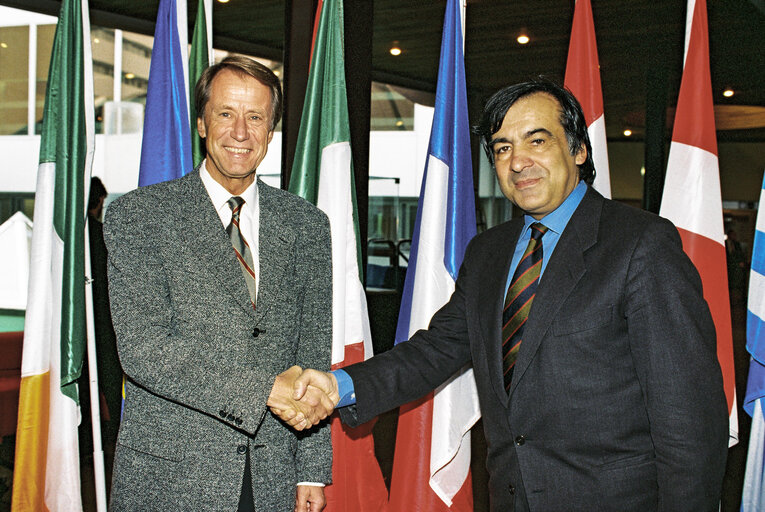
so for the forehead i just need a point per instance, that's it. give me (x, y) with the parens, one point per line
(229, 85)
(538, 110)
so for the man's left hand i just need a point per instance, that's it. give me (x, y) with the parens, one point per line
(309, 498)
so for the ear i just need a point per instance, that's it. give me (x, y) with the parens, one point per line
(270, 136)
(581, 155)
(201, 127)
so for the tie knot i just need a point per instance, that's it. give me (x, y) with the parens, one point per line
(537, 230)
(235, 203)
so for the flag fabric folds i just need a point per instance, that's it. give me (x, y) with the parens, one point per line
(166, 143)
(322, 173)
(431, 467)
(753, 496)
(583, 80)
(46, 470)
(692, 198)
(199, 58)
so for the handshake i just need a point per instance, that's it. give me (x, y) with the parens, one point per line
(302, 398)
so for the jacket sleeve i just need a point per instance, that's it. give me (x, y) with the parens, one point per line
(314, 454)
(673, 344)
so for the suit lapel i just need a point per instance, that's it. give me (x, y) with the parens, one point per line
(276, 250)
(202, 229)
(564, 270)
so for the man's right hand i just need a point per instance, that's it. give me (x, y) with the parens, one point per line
(314, 397)
(312, 406)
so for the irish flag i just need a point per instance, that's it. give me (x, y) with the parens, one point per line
(583, 80)
(47, 467)
(692, 198)
(322, 173)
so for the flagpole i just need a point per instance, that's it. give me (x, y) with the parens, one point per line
(99, 471)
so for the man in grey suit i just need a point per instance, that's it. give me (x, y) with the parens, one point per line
(598, 381)
(218, 284)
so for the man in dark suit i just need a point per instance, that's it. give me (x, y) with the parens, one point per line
(218, 283)
(599, 387)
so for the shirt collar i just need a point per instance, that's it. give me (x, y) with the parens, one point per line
(218, 193)
(557, 219)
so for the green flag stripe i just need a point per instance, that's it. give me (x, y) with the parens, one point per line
(63, 142)
(198, 61)
(325, 112)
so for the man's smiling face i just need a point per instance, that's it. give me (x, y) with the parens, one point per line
(534, 165)
(236, 128)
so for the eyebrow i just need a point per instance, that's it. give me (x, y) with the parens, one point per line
(526, 135)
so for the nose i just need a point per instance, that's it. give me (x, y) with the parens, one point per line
(520, 160)
(239, 129)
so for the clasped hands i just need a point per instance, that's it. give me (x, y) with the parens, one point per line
(302, 398)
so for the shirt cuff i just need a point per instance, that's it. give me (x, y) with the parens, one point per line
(312, 484)
(345, 388)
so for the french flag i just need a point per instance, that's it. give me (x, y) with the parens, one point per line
(431, 466)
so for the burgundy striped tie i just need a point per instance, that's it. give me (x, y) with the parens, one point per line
(518, 301)
(241, 247)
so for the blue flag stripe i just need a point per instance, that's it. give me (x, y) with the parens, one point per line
(166, 147)
(755, 329)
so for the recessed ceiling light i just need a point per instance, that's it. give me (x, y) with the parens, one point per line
(129, 76)
(728, 93)
(627, 132)
(96, 40)
(395, 51)
(223, 1)
(3, 45)
(522, 39)
(399, 123)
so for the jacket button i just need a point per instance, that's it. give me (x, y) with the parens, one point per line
(511, 489)
(222, 413)
(520, 440)
(241, 449)
(255, 332)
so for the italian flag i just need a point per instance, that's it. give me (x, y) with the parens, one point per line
(692, 199)
(47, 470)
(322, 173)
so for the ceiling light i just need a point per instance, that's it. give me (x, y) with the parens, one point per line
(642, 171)
(223, 1)
(728, 92)
(395, 51)
(3, 45)
(523, 39)
(399, 123)
(627, 132)
(96, 40)
(129, 76)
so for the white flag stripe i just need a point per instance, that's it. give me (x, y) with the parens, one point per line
(688, 24)
(757, 294)
(597, 133)
(455, 403)
(350, 322)
(36, 356)
(753, 483)
(760, 222)
(700, 210)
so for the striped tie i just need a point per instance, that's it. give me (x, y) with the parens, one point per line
(241, 247)
(518, 301)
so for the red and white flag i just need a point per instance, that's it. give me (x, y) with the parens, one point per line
(583, 79)
(692, 199)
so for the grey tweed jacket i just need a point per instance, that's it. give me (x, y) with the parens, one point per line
(200, 361)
